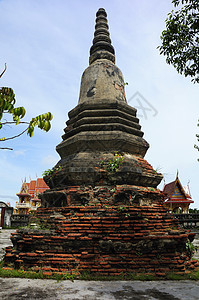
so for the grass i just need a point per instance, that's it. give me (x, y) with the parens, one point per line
(9, 227)
(89, 276)
(140, 276)
(191, 276)
(12, 273)
(9, 272)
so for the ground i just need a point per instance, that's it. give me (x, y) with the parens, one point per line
(16, 288)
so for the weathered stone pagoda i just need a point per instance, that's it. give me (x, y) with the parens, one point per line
(103, 212)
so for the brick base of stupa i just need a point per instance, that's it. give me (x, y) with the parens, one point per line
(121, 229)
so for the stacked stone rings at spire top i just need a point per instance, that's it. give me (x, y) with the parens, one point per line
(101, 11)
(101, 48)
(101, 17)
(101, 21)
(102, 45)
(101, 30)
(101, 37)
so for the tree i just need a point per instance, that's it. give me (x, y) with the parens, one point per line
(180, 39)
(196, 146)
(8, 107)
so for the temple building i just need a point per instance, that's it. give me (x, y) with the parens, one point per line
(28, 196)
(177, 197)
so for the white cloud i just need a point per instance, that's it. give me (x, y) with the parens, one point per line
(49, 160)
(19, 152)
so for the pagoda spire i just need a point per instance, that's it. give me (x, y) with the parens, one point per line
(101, 48)
(102, 124)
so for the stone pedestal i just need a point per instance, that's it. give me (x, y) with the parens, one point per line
(117, 230)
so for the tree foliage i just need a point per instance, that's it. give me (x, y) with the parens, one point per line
(197, 135)
(180, 39)
(8, 107)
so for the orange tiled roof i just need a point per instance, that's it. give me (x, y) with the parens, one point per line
(169, 188)
(31, 188)
(36, 187)
(169, 191)
(40, 186)
(32, 184)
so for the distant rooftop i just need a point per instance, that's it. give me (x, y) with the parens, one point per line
(34, 187)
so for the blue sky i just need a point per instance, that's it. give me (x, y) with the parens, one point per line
(46, 43)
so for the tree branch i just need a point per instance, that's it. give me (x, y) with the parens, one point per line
(6, 148)
(3, 71)
(13, 122)
(15, 136)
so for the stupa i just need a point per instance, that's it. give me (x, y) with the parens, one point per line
(103, 212)
(101, 128)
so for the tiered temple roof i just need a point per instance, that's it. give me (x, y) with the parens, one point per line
(28, 196)
(37, 186)
(176, 196)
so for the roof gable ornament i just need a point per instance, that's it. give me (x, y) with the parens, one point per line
(24, 188)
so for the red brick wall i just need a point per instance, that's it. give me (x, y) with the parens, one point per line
(104, 238)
